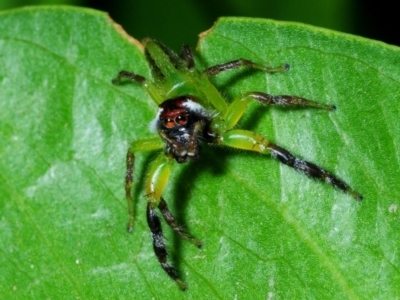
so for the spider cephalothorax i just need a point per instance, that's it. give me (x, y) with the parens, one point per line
(196, 113)
(183, 124)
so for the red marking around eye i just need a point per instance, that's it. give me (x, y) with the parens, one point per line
(173, 112)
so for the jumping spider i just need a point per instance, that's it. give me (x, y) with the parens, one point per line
(192, 112)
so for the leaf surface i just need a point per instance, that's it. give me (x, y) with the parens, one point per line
(268, 232)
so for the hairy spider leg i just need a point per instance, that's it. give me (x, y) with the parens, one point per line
(252, 141)
(159, 245)
(155, 183)
(157, 178)
(147, 85)
(248, 140)
(187, 55)
(239, 105)
(147, 144)
(231, 65)
(158, 175)
(170, 219)
(239, 63)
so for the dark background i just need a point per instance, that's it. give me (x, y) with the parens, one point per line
(176, 22)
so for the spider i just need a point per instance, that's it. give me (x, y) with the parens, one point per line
(192, 112)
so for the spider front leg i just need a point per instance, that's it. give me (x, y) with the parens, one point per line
(252, 141)
(157, 179)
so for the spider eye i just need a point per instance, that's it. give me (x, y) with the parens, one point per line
(169, 123)
(181, 120)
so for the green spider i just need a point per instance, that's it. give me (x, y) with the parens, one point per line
(192, 112)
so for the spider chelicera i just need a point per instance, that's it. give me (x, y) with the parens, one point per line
(192, 112)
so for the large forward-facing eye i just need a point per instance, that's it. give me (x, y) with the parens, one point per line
(181, 120)
(169, 122)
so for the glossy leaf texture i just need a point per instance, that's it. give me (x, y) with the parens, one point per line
(268, 232)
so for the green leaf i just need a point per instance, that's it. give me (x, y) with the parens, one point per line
(268, 232)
